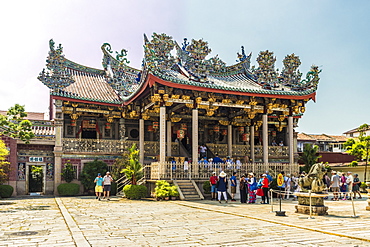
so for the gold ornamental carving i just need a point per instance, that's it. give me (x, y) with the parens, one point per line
(223, 122)
(175, 119)
(74, 116)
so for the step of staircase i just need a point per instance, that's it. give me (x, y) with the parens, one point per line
(188, 190)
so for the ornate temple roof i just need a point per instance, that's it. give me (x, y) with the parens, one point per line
(187, 66)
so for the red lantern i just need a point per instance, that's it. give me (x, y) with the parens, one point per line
(224, 132)
(245, 137)
(107, 126)
(150, 128)
(241, 129)
(73, 122)
(184, 126)
(216, 128)
(155, 125)
(273, 133)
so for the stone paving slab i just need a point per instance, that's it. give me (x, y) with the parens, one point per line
(73, 221)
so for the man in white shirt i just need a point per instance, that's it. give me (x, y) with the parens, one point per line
(334, 184)
(107, 182)
(349, 181)
(203, 151)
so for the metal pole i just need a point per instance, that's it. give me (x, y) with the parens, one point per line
(309, 194)
(353, 205)
(271, 201)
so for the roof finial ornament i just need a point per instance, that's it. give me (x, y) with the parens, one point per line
(242, 56)
(184, 45)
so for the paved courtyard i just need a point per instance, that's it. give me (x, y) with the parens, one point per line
(84, 221)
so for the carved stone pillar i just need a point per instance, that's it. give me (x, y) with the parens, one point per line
(251, 139)
(265, 139)
(58, 148)
(230, 140)
(162, 134)
(195, 136)
(290, 139)
(122, 129)
(169, 139)
(141, 140)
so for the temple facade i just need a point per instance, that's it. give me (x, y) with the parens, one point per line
(180, 99)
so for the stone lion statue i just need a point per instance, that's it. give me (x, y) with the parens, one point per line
(313, 180)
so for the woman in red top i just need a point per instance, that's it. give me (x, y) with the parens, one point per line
(265, 188)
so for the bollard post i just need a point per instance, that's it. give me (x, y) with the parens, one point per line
(353, 205)
(309, 194)
(271, 201)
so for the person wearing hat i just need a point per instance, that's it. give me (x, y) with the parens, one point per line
(99, 186)
(213, 181)
(222, 186)
(334, 185)
(349, 182)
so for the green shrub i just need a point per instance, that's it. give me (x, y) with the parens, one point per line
(68, 173)
(207, 187)
(135, 191)
(68, 189)
(90, 171)
(164, 189)
(6, 191)
(363, 185)
(173, 192)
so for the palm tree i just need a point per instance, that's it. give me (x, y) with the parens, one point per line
(309, 156)
(133, 169)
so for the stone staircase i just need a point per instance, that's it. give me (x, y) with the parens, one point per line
(188, 190)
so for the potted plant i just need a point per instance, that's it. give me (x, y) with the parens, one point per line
(174, 193)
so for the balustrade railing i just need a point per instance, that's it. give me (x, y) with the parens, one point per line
(183, 171)
(96, 145)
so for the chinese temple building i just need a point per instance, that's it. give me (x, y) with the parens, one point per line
(178, 100)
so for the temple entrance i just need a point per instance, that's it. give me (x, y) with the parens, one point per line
(36, 178)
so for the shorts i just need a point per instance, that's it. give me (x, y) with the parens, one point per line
(233, 189)
(335, 189)
(213, 188)
(98, 188)
(107, 187)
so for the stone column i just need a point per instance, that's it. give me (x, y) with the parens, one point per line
(169, 139)
(162, 134)
(251, 139)
(194, 136)
(58, 148)
(265, 139)
(141, 140)
(122, 129)
(290, 139)
(230, 140)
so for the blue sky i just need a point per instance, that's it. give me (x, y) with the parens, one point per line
(332, 34)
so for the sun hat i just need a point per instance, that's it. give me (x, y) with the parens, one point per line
(264, 175)
(99, 174)
(222, 174)
(213, 172)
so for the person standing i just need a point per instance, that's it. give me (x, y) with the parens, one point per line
(203, 151)
(343, 186)
(107, 182)
(349, 182)
(265, 188)
(252, 186)
(99, 186)
(334, 184)
(221, 187)
(288, 182)
(213, 181)
(243, 189)
(233, 186)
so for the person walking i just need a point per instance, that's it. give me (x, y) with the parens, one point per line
(243, 189)
(349, 182)
(233, 186)
(356, 187)
(99, 186)
(213, 181)
(288, 182)
(107, 182)
(343, 186)
(222, 186)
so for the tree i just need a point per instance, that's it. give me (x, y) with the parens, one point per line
(4, 165)
(90, 171)
(360, 147)
(120, 164)
(14, 124)
(309, 156)
(68, 173)
(133, 170)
